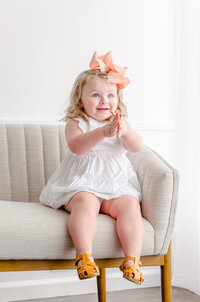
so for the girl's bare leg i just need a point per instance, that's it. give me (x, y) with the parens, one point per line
(130, 229)
(84, 208)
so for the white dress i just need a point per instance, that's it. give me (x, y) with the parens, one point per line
(104, 171)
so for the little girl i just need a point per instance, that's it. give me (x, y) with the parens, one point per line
(96, 175)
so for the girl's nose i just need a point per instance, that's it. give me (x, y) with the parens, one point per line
(103, 100)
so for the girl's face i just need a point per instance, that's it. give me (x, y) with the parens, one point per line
(99, 97)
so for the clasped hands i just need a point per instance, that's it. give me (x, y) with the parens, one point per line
(115, 125)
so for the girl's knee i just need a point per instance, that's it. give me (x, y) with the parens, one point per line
(85, 200)
(132, 204)
(126, 204)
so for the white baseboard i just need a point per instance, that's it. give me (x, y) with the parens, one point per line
(70, 285)
(187, 282)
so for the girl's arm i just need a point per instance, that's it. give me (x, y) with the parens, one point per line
(131, 139)
(80, 142)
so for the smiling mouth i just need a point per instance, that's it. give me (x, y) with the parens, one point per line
(103, 109)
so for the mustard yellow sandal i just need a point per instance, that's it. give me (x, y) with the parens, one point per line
(132, 273)
(87, 269)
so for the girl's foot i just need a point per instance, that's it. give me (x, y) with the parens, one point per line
(131, 268)
(86, 267)
(80, 262)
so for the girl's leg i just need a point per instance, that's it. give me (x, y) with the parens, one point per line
(84, 208)
(126, 210)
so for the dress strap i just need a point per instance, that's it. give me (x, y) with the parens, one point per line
(82, 124)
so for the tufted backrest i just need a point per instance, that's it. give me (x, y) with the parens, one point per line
(29, 154)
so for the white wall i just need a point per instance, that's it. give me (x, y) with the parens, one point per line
(46, 43)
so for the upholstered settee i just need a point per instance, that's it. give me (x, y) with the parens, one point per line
(35, 237)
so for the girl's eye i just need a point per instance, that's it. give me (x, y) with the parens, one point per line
(95, 95)
(110, 95)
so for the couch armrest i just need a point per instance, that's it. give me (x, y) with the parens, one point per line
(159, 186)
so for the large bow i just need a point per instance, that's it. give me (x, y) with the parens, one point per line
(115, 73)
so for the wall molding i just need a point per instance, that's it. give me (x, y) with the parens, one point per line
(155, 127)
(70, 285)
(140, 126)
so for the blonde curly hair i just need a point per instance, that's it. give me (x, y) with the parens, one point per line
(75, 108)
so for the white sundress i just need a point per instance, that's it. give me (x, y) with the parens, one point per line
(104, 171)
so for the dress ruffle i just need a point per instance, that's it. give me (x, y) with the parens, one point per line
(82, 124)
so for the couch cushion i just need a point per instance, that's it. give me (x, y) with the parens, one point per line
(35, 231)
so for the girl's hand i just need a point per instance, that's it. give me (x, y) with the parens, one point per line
(121, 126)
(110, 129)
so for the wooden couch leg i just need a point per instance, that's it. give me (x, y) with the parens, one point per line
(101, 285)
(166, 282)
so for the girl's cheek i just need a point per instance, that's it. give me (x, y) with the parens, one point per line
(114, 105)
(114, 102)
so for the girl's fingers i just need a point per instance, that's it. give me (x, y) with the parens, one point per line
(112, 111)
(116, 123)
(119, 131)
(112, 119)
(118, 128)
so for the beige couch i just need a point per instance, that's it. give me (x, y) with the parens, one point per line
(35, 237)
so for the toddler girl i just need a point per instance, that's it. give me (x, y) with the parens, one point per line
(96, 175)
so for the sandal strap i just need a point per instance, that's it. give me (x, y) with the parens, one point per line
(88, 267)
(129, 270)
(136, 261)
(83, 256)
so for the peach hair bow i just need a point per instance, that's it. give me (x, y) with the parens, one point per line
(115, 73)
